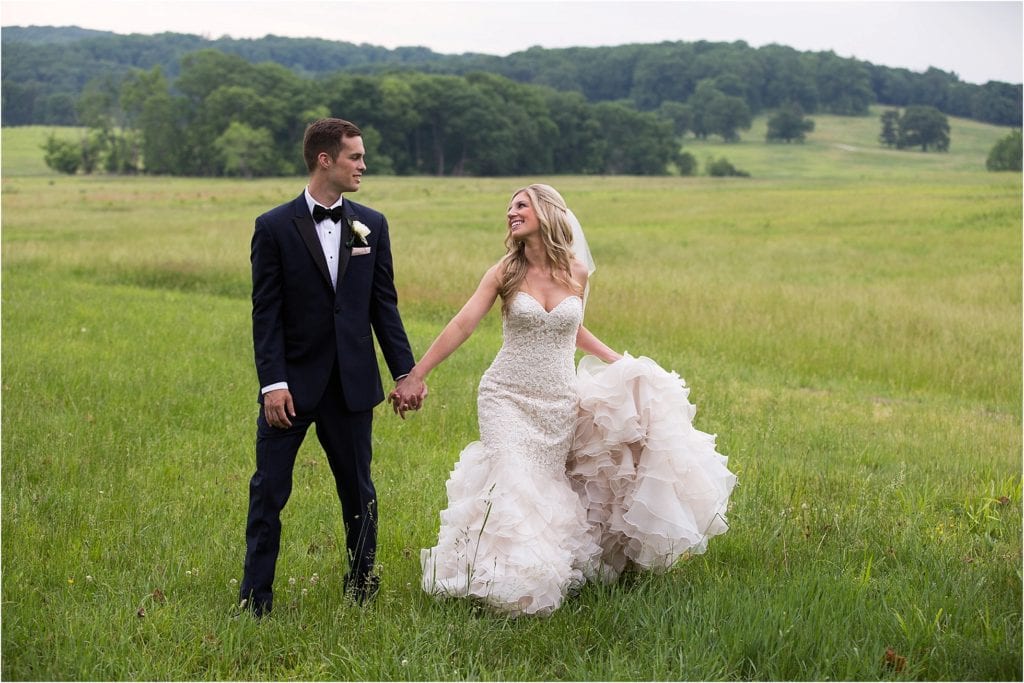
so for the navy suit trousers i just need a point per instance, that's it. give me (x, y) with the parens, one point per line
(346, 439)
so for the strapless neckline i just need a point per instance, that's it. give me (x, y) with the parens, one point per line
(554, 308)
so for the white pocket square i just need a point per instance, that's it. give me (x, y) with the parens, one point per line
(360, 251)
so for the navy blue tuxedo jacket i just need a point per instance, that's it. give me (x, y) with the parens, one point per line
(302, 326)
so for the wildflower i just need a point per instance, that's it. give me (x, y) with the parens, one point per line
(405, 662)
(291, 581)
(88, 578)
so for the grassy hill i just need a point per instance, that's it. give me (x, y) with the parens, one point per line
(848, 147)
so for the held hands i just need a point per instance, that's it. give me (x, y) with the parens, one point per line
(409, 394)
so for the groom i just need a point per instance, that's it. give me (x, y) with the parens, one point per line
(322, 279)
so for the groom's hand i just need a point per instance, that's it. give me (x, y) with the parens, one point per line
(409, 394)
(278, 407)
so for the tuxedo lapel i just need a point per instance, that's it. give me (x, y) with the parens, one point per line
(346, 233)
(307, 229)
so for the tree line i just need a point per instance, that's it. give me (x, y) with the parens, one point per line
(226, 116)
(42, 84)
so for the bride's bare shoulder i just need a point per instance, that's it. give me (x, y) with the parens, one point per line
(580, 273)
(495, 274)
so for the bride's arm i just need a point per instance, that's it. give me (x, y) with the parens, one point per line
(588, 343)
(460, 327)
(585, 339)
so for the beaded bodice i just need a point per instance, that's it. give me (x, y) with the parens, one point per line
(527, 402)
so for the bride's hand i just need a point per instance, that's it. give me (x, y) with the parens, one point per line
(409, 394)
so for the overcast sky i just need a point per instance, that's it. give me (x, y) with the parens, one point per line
(979, 41)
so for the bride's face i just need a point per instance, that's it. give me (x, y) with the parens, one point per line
(522, 219)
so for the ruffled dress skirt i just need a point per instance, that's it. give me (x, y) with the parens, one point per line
(654, 487)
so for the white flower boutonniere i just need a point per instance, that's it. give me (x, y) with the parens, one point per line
(358, 230)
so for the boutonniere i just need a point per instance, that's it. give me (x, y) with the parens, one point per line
(358, 230)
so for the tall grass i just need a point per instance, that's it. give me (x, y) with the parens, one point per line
(852, 334)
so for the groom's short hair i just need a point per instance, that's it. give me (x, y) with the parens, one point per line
(325, 135)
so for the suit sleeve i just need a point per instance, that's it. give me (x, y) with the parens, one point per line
(384, 315)
(267, 306)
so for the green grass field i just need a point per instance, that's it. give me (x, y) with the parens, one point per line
(849, 320)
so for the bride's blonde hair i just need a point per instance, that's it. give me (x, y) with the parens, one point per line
(556, 235)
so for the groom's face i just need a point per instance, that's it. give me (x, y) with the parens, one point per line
(346, 172)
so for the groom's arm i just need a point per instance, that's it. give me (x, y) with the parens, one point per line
(384, 315)
(268, 326)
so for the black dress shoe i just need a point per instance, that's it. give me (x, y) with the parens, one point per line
(362, 591)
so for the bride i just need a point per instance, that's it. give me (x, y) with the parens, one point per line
(576, 476)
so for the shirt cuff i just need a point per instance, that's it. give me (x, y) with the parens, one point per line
(274, 387)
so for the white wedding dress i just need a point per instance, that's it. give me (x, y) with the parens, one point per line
(575, 477)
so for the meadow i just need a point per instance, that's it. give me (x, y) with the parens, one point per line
(848, 319)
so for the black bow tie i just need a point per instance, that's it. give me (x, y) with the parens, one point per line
(320, 213)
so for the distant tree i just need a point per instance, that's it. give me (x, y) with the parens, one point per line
(635, 143)
(890, 135)
(64, 156)
(722, 167)
(93, 148)
(787, 78)
(998, 103)
(578, 147)
(678, 114)
(715, 113)
(700, 103)
(789, 124)
(686, 164)
(56, 109)
(99, 106)
(19, 100)
(925, 127)
(162, 124)
(1006, 154)
(728, 115)
(122, 153)
(844, 85)
(662, 73)
(246, 151)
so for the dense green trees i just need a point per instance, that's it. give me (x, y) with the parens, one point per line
(226, 116)
(41, 84)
